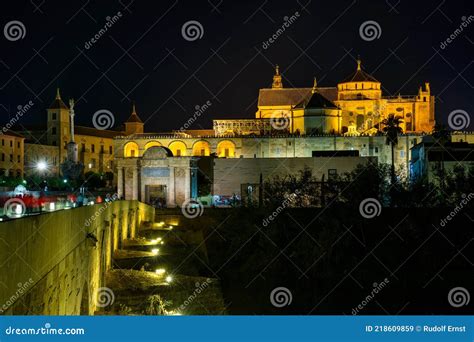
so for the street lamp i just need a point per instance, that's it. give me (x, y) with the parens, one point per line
(41, 165)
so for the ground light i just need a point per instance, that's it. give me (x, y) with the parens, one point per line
(169, 279)
(160, 271)
(155, 251)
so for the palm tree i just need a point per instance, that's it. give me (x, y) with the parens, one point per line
(391, 128)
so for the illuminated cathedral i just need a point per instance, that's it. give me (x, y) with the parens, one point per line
(329, 130)
(292, 126)
(356, 106)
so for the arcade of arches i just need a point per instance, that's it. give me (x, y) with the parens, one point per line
(200, 148)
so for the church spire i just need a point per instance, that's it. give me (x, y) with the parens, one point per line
(315, 85)
(58, 102)
(277, 84)
(134, 116)
(359, 62)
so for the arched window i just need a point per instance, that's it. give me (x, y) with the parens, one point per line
(178, 148)
(226, 149)
(130, 149)
(201, 148)
(151, 144)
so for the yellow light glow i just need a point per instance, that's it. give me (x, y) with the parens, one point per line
(155, 251)
(169, 279)
(160, 271)
(162, 242)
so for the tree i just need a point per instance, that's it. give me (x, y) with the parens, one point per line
(391, 128)
(442, 137)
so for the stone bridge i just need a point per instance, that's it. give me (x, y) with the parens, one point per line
(65, 262)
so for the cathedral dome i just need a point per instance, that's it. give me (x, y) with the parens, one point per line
(360, 75)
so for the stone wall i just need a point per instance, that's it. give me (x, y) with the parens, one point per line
(53, 264)
(290, 147)
(230, 174)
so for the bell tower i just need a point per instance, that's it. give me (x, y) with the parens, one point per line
(277, 83)
(58, 123)
(134, 125)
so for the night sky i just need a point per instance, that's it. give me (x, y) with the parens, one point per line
(144, 58)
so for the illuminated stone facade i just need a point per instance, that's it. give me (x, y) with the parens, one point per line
(156, 177)
(11, 156)
(95, 146)
(356, 106)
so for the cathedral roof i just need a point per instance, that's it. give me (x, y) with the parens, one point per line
(13, 134)
(292, 96)
(318, 101)
(58, 103)
(360, 75)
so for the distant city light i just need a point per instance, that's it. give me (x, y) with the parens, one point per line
(65, 181)
(155, 251)
(169, 279)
